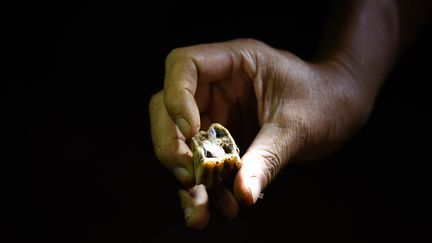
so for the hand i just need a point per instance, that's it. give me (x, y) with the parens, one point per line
(286, 109)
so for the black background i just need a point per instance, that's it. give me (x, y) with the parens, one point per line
(78, 158)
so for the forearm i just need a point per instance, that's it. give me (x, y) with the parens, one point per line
(365, 37)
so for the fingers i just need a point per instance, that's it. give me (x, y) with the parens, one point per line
(261, 163)
(169, 143)
(225, 202)
(185, 67)
(195, 206)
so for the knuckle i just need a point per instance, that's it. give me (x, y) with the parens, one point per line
(172, 56)
(249, 41)
(172, 105)
(178, 54)
(174, 53)
(155, 99)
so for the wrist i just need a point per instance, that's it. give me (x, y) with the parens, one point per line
(350, 88)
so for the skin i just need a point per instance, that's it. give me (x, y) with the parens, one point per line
(295, 110)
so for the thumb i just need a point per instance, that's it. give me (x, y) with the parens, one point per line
(269, 152)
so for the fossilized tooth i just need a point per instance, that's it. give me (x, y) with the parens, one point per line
(216, 156)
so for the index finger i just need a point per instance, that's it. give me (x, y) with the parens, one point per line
(169, 144)
(185, 68)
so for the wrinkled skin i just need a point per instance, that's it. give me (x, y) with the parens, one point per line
(283, 108)
(279, 108)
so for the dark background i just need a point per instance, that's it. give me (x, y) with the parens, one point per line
(78, 158)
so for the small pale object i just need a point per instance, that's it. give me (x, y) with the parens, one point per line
(216, 156)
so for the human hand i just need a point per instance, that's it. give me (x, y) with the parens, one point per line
(286, 109)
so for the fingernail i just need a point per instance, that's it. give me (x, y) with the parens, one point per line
(183, 125)
(188, 211)
(254, 186)
(182, 175)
